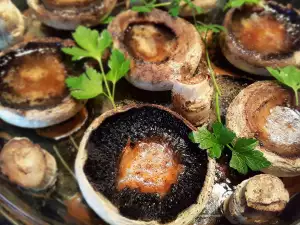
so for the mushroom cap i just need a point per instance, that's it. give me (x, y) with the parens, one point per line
(99, 201)
(70, 18)
(12, 24)
(252, 61)
(27, 164)
(159, 76)
(262, 111)
(266, 193)
(37, 117)
(257, 200)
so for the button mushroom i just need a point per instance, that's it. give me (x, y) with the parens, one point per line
(256, 201)
(12, 24)
(33, 91)
(68, 14)
(28, 165)
(161, 48)
(258, 37)
(264, 110)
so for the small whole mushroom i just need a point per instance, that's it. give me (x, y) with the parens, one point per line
(28, 165)
(257, 201)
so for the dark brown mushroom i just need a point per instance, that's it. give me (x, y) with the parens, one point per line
(12, 24)
(264, 110)
(161, 48)
(68, 14)
(33, 91)
(258, 37)
(27, 164)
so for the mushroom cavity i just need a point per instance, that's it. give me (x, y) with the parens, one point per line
(12, 24)
(257, 201)
(141, 161)
(161, 48)
(260, 37)
(27, 164)
(150, 166)
(32, 83)
(264, 110)
(68, 14)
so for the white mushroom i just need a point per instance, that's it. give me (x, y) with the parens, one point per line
(12, 24)
(27, 164)
(257, 201)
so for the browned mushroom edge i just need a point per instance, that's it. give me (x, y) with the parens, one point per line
(67, 16)
(252, 26)
(40, 104)
(147, 71)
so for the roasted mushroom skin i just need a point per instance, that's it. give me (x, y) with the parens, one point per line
(33, 77)
(105, 147)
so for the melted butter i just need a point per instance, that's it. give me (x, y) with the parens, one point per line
(153, 43)
(263, 34)
(149, 166)
(36, 76)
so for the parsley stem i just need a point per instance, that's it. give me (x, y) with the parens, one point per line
(162, 4)
(218, 108)
(109, 95)
(231, 148)
(296, 96)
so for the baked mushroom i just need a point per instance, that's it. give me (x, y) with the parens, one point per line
(161, 48)
(257, 201)
(68, 14)
(192, 96)
(12, 24)
(33, 93)
(28, 165)
(264, 110)
(137, 165)
(258, 37)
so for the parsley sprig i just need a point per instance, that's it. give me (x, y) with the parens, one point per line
(289, 76)
(174, 6)
(244, 155)
(91, 44)
(239, 3)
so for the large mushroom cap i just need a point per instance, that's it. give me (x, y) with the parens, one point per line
(260, 37)
(161, 48)
(151, 143)
(264, 111)
(27, 164)
(68, 14)
(32, 83)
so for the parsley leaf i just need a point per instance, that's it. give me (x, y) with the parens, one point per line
(244, 155)
(239, 3)
(213, 142)
(289, 76)
(90, 42)
(107, 19)
(118, 65)
(87, 85)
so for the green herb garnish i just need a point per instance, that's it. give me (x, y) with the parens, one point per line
(243, 150)
(244, 155)
(174, 6)
(239, 3)
(289, 76)
(107, 19)
(91, 44)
